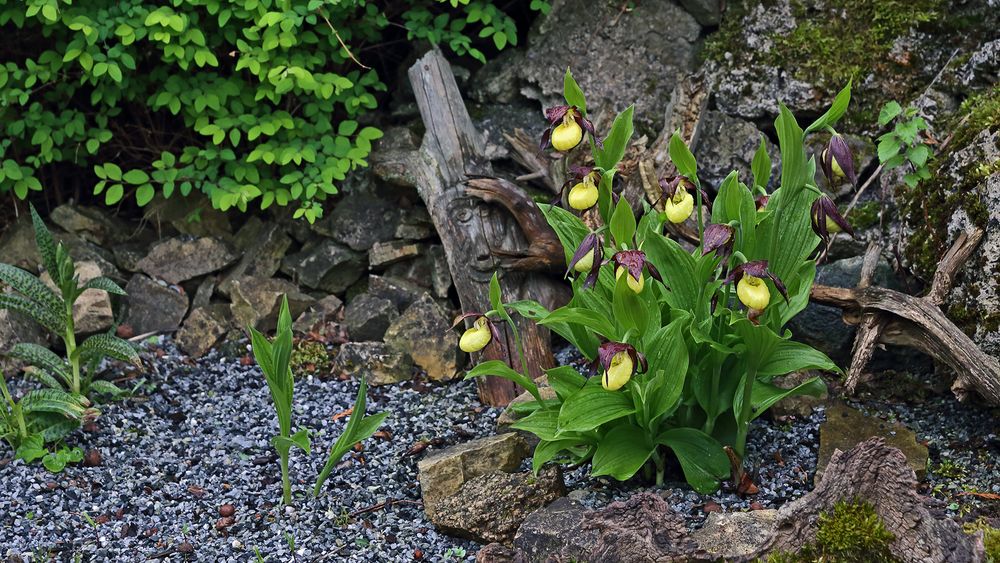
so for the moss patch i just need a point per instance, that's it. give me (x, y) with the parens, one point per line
(852, 532)
(865, 215)
(991, 538)
(309, 356)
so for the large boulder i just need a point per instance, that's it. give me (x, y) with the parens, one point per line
(154, 306)
(256, 301)
(846, 427)
(376, 361)
(17, 245)
(423, 332)
(203, 329)
(636, 60)
(491, 507)
(262, 246)
(93, 224)
(443, 474)
(180, 259)
(368, 316)
(360, 220)
(325, 265)
(92, 310)
(736, 535)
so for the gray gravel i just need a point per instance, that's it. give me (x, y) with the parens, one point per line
(197, 437)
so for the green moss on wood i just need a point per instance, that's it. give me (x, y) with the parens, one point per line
(852, 532)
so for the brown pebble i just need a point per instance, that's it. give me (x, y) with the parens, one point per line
(125, 531)
(712, 507)
(125, 331)
(51, 485)
(185, 547)
(418, 553)
(90, 427)
(223, 523)
(92, 458)
(227, 510)
(150, 532)
(756, 506)
(102, 519)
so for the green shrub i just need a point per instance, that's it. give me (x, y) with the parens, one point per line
(244, 100)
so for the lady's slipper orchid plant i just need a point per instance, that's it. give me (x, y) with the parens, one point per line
(619, 362)
(683, 367)
(583, 195)
(479, 335)
(566, 128)
(826, 219)
(837, 161)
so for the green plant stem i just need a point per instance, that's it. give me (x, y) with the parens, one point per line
(286, 483)
(15, 409)
(70, 340)
(743, 425)
(660, 466)
(701, 226)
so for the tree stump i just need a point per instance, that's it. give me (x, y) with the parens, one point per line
(477, 236)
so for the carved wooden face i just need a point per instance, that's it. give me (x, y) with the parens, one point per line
(486, 231)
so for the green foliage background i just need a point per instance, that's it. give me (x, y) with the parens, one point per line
(259, 101)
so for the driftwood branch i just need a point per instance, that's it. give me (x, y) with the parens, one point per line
(891, 317)
(536, 161)
(877, 473)
(473, 232)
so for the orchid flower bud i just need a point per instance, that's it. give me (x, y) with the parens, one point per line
(566, 128)
(837, 162)
(619, 362)
(587, 258)
(477, 337)
(632, 263)
(719, 237)
(584, 194)
(751, 289)
(826, 219)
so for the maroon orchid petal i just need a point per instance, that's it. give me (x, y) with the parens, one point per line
(653, 272)
(608, 350)
(779, 285)
(461, 318)
(580, 172)
(840, 151)
(639, 360)
(631, 260)
(761, 201)
(822, 209)
(716, 237)
(590, 242)
(495, 332)
(556, 113)
(546, 137)
(757, 268)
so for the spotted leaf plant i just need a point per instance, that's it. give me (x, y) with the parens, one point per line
(47, 415)
(686, 338)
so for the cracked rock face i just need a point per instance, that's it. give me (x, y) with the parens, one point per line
(619, 58)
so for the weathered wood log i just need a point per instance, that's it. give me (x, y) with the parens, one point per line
(892, 317)
(473, 232)
(540, 165)
(877, 473)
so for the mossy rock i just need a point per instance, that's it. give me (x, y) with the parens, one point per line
(851, 532)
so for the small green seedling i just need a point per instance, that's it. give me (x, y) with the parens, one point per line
(359, 428)
(904, 143)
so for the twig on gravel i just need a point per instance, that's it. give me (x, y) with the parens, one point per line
(385, 504)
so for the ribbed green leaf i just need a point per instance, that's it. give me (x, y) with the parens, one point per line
(104, 284)
(105, 387)
(32, 288)
(54, 401)
(32, 309)
(110, 346)
(41, 357)
(43, 376)
(46, 246)
(52, 426)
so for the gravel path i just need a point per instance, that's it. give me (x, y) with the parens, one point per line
(198, 438)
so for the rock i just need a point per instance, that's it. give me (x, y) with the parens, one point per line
(180, 259)
(128, 256)
(203, 294)
(82, 250)
(368, 317)
(440, 272)
(415, 224)
(555, 529)
(443, 474)
(387, 253)
(509, 416)
(193, 215)
(14, 329)
(324, 265)
(360, 220)
(707, 12)
(491, 507)
(735, 535)
(262, 247)
(379, 363)
(324, 311)
(424, 332)
(203, 329)
(17, 245)
(256, 301)
(726, 144)
(92, 224)
(417, 270)
(799, 406)
(402, 293)
(846, 427)
(154, 306)
(92, 310)
(823, 327)
(635, 61)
